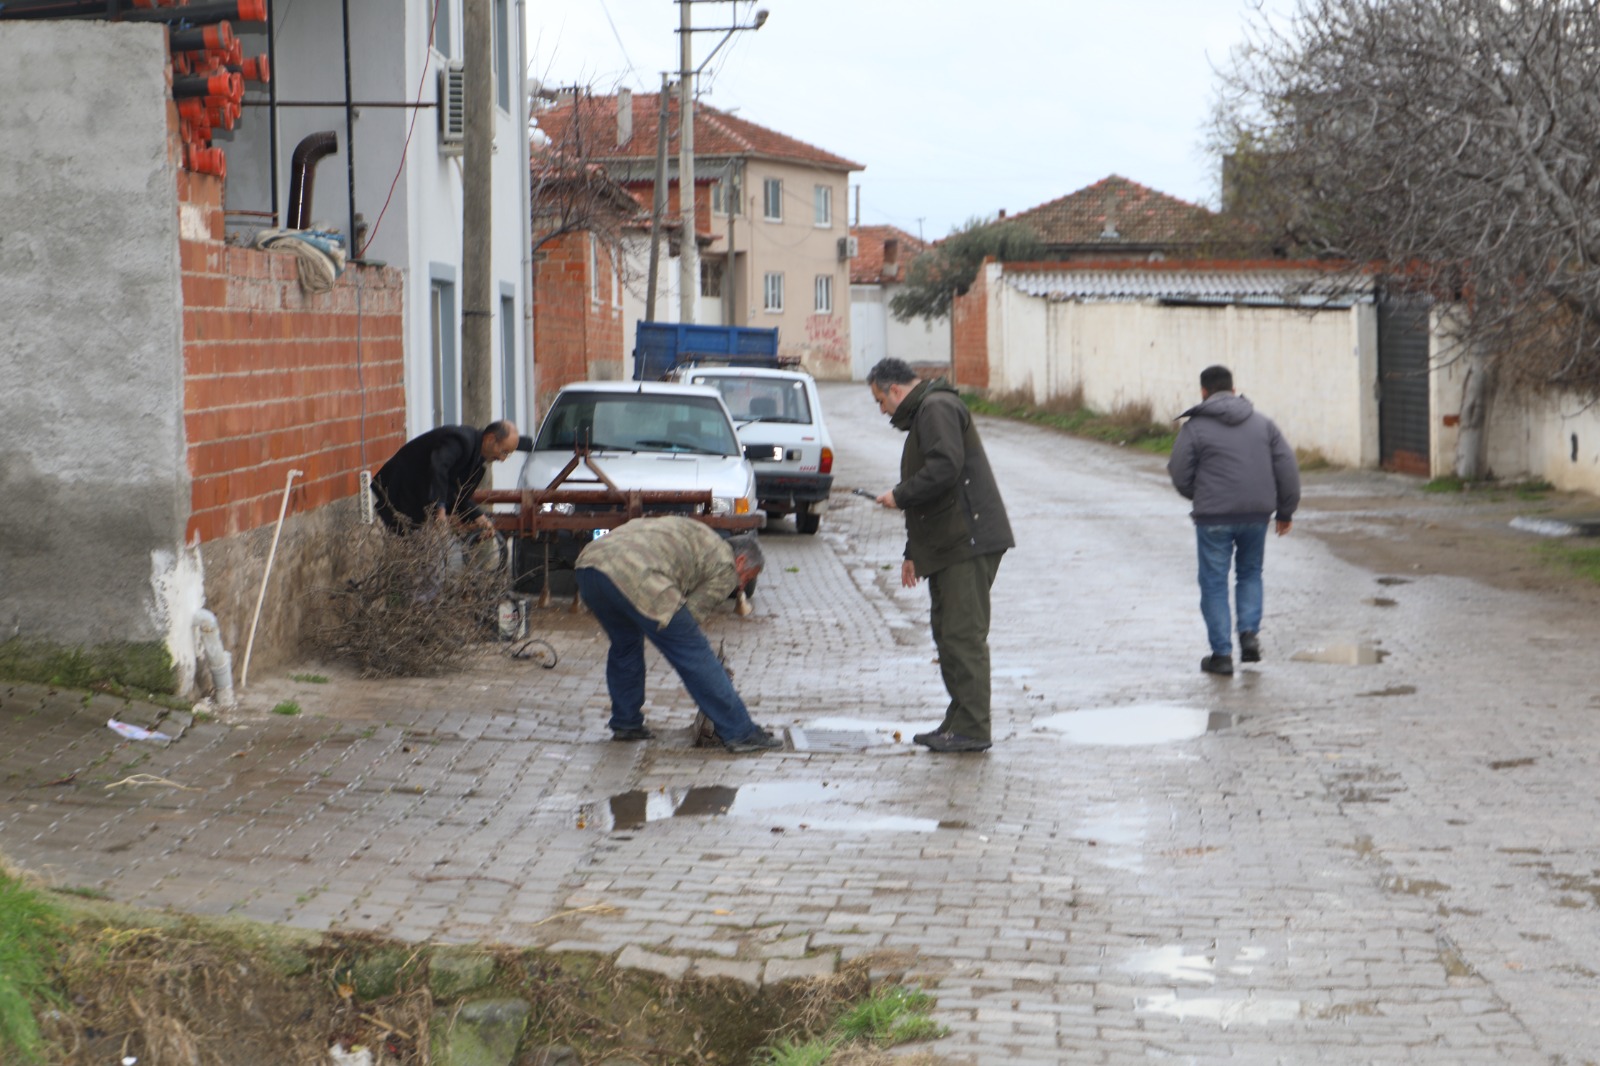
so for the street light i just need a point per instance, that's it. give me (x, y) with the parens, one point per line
(689, 257)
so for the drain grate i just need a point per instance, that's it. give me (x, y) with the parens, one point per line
(835, 740)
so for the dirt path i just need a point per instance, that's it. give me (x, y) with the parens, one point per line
(1386, 522)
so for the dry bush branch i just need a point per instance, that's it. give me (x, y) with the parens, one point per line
(418, 605)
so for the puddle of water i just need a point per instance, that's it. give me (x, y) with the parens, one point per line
(1342, 655)
(1116, 838)
(1246, 1011)
(785, 804)
(1169, 961)
(1379, 601)
(1148, 723)
(1394, 581)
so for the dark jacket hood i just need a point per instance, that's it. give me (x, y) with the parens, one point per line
(1228, 408)
(901, 419)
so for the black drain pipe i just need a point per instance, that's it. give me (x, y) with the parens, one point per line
(303, 172)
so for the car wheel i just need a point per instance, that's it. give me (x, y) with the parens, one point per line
(807, 521)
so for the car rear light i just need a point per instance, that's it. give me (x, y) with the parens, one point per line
(826, 466)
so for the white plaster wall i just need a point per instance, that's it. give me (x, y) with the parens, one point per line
(91, 454)
(1310, 372)
(420, 224)
(869, 328)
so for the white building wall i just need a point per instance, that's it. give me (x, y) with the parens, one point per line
(1309, 371)
(417, 227)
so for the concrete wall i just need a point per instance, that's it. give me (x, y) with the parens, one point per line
(1555, 437)
(876, 333)
(1311, 372)
(91, 454)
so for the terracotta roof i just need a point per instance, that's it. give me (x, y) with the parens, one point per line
(587, 126)
(871, 266)
(1115, 211)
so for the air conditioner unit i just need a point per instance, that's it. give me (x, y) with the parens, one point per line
(452, 107)
(848, 248)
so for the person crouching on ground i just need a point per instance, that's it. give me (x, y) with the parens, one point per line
(1236, 467)
(656, 579)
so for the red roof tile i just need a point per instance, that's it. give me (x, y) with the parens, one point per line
(872, 264)
(586, 126)
(1115, 211)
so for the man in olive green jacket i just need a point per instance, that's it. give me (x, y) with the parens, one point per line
(956, 532)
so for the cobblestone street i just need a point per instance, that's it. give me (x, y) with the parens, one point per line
(1379, 845)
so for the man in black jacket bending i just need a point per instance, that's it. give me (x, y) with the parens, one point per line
(956, 532)
(433, 476)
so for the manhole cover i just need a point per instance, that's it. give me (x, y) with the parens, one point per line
(834, 740)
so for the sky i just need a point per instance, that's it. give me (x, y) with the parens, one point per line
(955, 109)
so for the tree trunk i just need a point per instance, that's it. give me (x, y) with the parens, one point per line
(1477, 396)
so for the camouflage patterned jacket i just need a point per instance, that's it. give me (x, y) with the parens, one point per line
(662, 564)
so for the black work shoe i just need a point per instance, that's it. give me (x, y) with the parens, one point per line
(634, 732)
(758, 740)
(1218, 664)
(952, 742)
(923, 738)
(1249, 648)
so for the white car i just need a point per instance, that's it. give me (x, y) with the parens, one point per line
(779, 421)
(643, 435)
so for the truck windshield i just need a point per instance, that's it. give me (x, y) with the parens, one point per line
(639, 422)
(759, 399)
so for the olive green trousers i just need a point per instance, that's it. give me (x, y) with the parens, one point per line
(960, 617)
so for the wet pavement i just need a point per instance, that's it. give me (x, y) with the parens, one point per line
(1379, 845)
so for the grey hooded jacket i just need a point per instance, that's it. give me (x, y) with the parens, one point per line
(1234, 464)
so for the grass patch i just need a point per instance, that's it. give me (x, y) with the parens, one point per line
(1311, 459)
(288, 708)
(30, 935)
(310, 679)
(1130, 424)
(890, 1016)
(1448, 483)
(1534, 489)
(1580, 558)
(121, 669)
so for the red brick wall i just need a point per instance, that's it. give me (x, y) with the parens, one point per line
(574, 337)
(969, 334)
(278, 379)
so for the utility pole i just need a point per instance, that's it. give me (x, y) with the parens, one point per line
(689, 249)
(658, 202)
(477, 216)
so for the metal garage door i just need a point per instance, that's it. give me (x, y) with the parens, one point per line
(1403, 384)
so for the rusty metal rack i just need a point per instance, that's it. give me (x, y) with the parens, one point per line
(532, 517)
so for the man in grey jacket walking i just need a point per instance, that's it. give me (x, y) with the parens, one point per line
(1237, 468)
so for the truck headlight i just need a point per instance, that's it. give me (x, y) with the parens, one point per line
(556, 508)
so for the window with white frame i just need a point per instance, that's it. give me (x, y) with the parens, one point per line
(594, 269)
(443, 13)
(824, 294)
(822, 205)
(772, 199)
(772, 292)
(719, 198)
(501, 27)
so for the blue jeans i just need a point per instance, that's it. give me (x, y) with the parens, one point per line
(680, 642)
(1241, 546)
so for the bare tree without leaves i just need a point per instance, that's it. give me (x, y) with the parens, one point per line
(1453, 141)
(572, 194)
